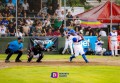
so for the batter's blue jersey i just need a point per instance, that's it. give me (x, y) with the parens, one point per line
(15, 46)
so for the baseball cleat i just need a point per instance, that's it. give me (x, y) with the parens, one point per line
(7, 61)
(18, 61)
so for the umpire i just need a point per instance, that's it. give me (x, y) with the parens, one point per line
(14, 47)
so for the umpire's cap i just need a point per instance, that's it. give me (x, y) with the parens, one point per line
(19, 38)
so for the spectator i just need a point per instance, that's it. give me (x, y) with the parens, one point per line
(71, 26)
(62, 15)
(50, 33)
(10, 5)
(1, 6)
(82, 30)
(30, 24)
(57, 23)
(77, 29)
(1, 17)
(50, 11)
(91, 32)
(3, 30)
(18, 33)
(43, 10)
(37, 31)
(102, 33)
(10, 17)
(69, 18)
(87, 32)
(57, 33)
(58, 11)
(47, 23)
(20, 14)
(24, 14)
(6, 11)
(25, 6)
(26, 30)
(4, 21)
(11, 29)
(118, 31)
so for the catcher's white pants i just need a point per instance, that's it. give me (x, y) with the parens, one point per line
(114, 47)
(68, 43)
(78, 49)
(36, 56)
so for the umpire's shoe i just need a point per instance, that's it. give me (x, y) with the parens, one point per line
(18, 61)
(7, 61)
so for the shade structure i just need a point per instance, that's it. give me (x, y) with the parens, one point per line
(103, 13)
(91, 24)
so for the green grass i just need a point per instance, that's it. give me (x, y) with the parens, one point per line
(77, 74)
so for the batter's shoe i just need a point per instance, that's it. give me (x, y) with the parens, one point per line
(7, 61)
(70, 60)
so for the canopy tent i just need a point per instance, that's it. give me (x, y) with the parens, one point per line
(103, 13)
(92, 24)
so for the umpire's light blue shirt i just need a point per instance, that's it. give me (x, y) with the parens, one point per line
(15, 46)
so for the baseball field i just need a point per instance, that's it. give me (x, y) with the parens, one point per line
(101, 69)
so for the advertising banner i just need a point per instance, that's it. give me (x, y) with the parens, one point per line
(89, 42)
(48, 42)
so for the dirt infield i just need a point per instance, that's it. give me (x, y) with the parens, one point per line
(76, 62)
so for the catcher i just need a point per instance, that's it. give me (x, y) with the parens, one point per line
(36, 52)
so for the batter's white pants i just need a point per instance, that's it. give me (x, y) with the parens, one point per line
(114, 47)
(78, 49)
(68, 43)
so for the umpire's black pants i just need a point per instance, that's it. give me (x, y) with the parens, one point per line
(11, 53)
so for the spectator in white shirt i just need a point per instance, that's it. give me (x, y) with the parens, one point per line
(3, 30)
(62, 15)
(58, 11)
(10, 5)
(47, 23)
(25, 6)
(43, 10)
(18, 33)
(102, 33)
(30, 24)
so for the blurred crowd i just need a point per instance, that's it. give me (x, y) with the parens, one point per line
(49, 21)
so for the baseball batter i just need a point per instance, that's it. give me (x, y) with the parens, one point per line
(78, 49)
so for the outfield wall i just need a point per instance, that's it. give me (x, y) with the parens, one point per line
(61, 42)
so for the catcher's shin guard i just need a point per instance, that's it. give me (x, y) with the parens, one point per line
(40, 57)
(30, 58)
